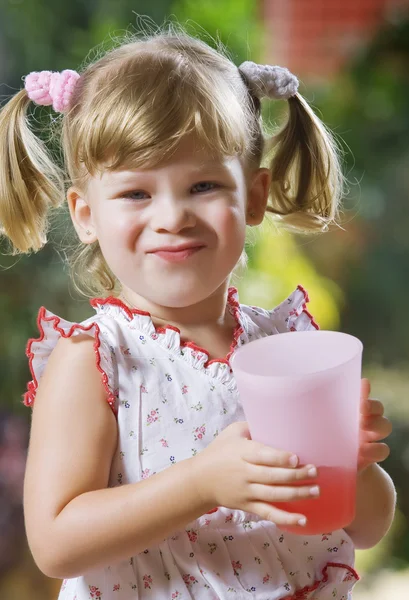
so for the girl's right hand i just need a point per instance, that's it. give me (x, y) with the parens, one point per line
(238, 473)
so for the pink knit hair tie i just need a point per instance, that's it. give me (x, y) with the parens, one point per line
(51, 88)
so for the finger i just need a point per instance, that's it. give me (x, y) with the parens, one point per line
(260, 454)
(376, 407)
(281, 493)
(276, 476)
(375, 428)
(365, 403)
(365, 388)
(373, 453)
(365, 391)
(276, 515)
(372, 407)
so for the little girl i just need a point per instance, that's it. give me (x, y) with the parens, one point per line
(142, 481)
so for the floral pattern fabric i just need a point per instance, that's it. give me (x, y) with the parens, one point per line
(171, 401)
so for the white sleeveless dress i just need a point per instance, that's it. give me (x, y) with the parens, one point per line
(171, 402)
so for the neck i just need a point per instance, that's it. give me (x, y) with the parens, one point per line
(209, 312)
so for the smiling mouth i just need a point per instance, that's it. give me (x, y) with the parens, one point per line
(177, 255)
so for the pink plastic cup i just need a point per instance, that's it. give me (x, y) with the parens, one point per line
(301, 393)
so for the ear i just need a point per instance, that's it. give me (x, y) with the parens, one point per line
(81, 215)
(257, 196)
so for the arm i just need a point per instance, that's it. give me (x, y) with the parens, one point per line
(375, 507)
(74, 523)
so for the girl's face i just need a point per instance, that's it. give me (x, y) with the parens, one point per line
(172, 234)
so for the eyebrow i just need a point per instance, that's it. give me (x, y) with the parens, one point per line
(210, 166)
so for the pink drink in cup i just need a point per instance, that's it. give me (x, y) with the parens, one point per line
(301, 393)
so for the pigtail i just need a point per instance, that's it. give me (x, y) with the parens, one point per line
(307, 181)
(30, 183)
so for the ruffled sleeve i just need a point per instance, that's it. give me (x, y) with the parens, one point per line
(52, 328)
(290, 315)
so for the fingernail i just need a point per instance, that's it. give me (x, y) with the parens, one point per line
(312, 472)
(302, 522)
(314, 491)
(293, 460)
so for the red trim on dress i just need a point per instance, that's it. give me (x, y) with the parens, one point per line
(95, 302)
(302, 594)
(231, 303)
(304, 308)
(304, 291)
(32, 386)
(238, 330)
(164, 329)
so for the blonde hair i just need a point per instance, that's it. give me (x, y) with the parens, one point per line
(131, 108)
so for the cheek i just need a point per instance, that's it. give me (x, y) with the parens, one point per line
(118, 224)
(231, 225)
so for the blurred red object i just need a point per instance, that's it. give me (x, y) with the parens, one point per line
(315, 38)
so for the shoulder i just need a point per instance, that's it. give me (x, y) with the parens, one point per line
(70, 389)
(290, 315)
(73, 365)
(83, 349)
(74, 351)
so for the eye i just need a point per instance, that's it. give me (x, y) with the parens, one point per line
(136, 195)
(204, 186)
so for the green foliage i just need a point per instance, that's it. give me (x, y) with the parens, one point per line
(236, 23)
(276, 266)
(370, 105)
(42, 37)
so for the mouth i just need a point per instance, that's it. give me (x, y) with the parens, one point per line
(177, 253)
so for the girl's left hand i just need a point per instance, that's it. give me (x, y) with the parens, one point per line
(373, 428)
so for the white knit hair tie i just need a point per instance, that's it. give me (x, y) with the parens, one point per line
(266, 81)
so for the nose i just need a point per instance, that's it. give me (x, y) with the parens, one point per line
(172, 215)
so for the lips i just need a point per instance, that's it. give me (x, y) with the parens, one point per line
(177, 253)
(179, 248)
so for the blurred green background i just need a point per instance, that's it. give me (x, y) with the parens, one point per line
(353, 62)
